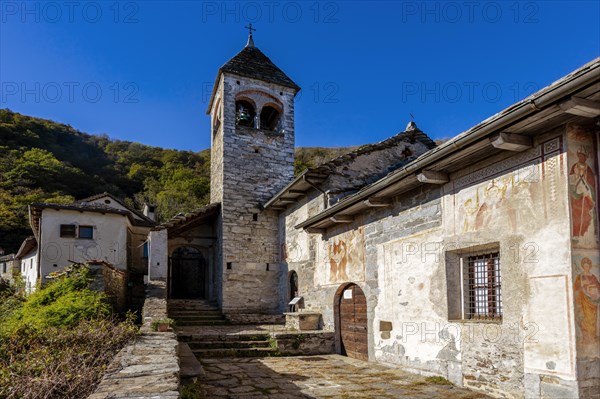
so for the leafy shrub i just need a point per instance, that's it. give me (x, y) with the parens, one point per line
(58, 341)
(63, 302)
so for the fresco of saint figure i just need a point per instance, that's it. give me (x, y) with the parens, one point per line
(587, 302)
(345, 257)
(495, 212)
(583, 193)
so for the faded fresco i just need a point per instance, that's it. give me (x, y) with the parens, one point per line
(586, 295)
(505, 203)
(294, 245)
(508, 198)
(583, 197)
(342, 258)
(582, 189)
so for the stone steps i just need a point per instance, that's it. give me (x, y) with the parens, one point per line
(195, 313)
(244, 337)
(207, 343)
(199, 317)
(229, 345)
(200, 323)
(233, 352)
(198, 345)
(184, 313)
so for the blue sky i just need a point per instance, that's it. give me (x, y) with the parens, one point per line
(143, 70)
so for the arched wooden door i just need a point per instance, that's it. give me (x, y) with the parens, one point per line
(352, 322)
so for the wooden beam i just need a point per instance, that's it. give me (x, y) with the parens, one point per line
(582, 107)
(314, 230)
(377, 202)
(341, 219)
(296, 192)
(432, 177)
(511, 142)
(287, 201)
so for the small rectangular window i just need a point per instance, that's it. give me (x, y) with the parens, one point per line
(482, 296)
(86, 232)
(68, 230)
(145, 250)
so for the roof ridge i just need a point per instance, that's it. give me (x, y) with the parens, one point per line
(380, 145)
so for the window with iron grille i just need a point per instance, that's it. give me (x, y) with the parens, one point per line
(482, 294)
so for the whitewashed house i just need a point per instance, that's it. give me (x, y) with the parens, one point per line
(28, 259)
(98, 228)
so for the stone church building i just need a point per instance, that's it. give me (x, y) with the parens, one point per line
(476, 260)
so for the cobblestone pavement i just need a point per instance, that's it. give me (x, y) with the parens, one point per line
(327, 376)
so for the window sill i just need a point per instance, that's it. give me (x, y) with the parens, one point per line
(473, 321)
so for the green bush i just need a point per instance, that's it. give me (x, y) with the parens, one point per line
(58, 341)
(63, 302)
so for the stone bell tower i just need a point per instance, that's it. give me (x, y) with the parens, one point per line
(252, 158)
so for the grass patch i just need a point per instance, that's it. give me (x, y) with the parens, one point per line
(437, 380)
(192, 391)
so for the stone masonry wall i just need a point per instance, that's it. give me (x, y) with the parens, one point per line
(147, 367)
(512, 203)
(255, 165)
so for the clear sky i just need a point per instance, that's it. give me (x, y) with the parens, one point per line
(143, 70)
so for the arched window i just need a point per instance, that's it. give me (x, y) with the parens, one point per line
(269, 118)
(244, 113)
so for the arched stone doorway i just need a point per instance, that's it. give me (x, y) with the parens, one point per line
(187, 274)
(350, 310)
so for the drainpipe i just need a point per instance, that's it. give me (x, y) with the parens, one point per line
(325, 195)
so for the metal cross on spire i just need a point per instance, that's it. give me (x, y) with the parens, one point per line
(250, 39)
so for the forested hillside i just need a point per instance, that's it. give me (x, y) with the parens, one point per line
(45, 161)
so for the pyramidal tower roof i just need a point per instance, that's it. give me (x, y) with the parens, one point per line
(253, 63)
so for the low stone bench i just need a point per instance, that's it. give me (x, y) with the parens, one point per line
(191, 368)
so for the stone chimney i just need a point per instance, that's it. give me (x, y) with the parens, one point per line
(150, 211)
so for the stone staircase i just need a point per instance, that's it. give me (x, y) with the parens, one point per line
(238, 345)
(187, 312)
(209, 334)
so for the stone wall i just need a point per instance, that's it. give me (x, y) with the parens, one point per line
(305, 343)
(249, 166)
(113, 283)
(147, 367)
(406, 259)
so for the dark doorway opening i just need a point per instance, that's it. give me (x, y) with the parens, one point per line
(187, 273)
(293, 290)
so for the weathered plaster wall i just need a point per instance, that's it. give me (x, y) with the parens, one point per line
(158, 259)
(109, 243)
(137, 237)
(514, 203)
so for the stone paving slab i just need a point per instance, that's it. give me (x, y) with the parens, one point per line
(324, 376)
